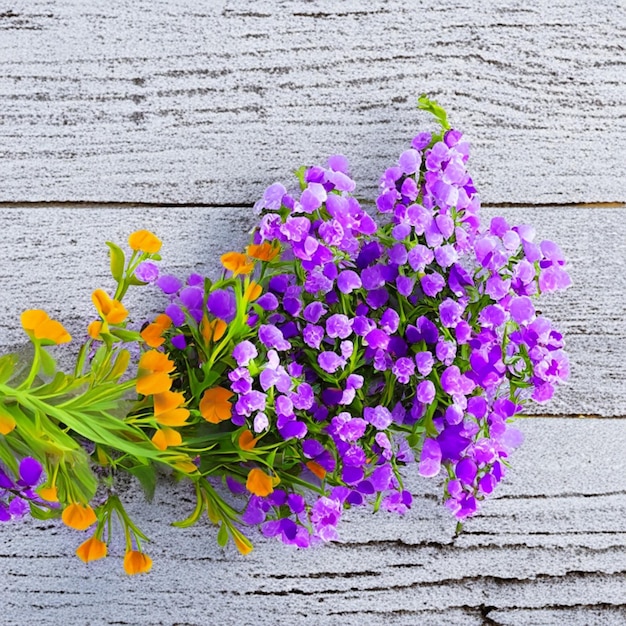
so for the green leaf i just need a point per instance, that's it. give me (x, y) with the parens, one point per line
(135, 282)
(117, 261)
(125, 335)
(300, 172)
(7, 365)
(222, 536)
(425, 104)
(146, 475)
(42, 514)
(48, 364)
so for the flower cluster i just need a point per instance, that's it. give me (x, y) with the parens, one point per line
(338, 349)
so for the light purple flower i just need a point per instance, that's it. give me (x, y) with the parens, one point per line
(432, 284)
(425, 392)
(379, 417)
(348, 281)
(147, 272)
(338, 325)
(403, 369)
(244, 352)
(313, 335)
(430, 459)
(330, 362)
(272, 337)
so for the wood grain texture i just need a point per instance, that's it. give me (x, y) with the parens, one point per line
(55, 258)
(549, 549)
(207, 102)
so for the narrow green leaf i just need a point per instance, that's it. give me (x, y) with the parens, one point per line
(42, 514)
(117, 261)
(7, 365)
(222, 536)
(425, 104)
(146, 475)
(125, 335)
(48, 364)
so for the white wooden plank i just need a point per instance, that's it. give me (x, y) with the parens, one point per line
(55, 258)
(560, 556)
(205, 102)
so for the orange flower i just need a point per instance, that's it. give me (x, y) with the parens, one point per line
(237, 263)
(7, 423)
(112, 311)
(214, 406)
(243, 543)
(144, 241)
(212, 330)
(91, 550)
(167, 411)
(317, 469)
(166, 437)
(93, 330)
(49, 494)
(152, 334)
(246, 440)
(152, 374)
(263, 252)
(32, 318)
(137, 563)
(78, 516)
(259, 483)
(253, 291)
(38, 323)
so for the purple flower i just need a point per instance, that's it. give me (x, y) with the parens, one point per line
(389, 321)
(425, 392)
(312, 312)
(379, 417)
(273, 196)
(432, 284)
(348, 281)
(268, 302)
(147, 272)
(250, 402)
(450, 312)
(522, 310)
(347, 428)
(372, 278)
(377, 339)
(30, 472)
(403, 369)
(179, 341)
(221, 303)
(338, 325)
(168, 284)
(325, 515)
(313, 335)
(191, 298)
(405, 285)
(330, 362)
(446, 255)
(430, 458)
(419, 257)
(425, 362)
(175, 313)
(244, 352)
(272, 337)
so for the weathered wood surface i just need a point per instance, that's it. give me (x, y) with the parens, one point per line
(549, 549)
(206, 102)
(55, 258)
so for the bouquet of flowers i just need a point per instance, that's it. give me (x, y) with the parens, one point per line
(337, 349)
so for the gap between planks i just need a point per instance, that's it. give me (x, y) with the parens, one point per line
(68, 204)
